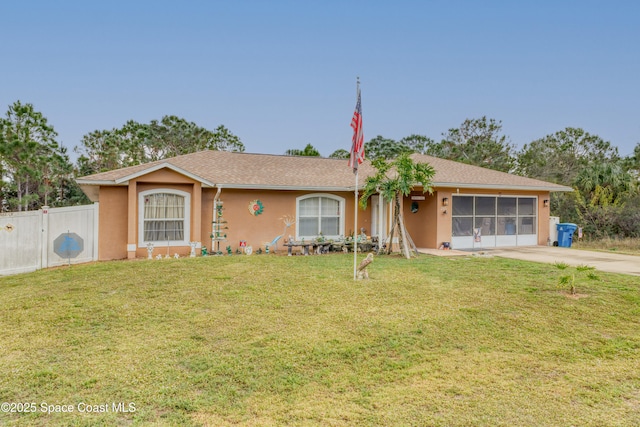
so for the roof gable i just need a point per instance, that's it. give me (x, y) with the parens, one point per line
(158, 167)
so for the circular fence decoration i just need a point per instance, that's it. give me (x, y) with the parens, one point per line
(255, 207)
(68, 245)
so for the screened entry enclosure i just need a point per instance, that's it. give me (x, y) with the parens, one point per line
(490, 221)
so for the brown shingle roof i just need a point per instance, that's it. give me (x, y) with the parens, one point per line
(456, 174)
(247, 170)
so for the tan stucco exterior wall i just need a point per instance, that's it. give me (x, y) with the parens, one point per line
(422, 224)
(118, 219)
(118, 223)
(543, 219)
(118, 227)
(445, 223)
(256, 230)
(112, 225)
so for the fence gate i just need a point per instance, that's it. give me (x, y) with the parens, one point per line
(48, 237)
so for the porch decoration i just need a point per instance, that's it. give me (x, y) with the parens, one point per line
(256, 207)
(219, 226)
(149, 250)
(288, 220)
(362, 268)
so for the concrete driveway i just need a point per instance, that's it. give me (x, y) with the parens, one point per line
(603, 261)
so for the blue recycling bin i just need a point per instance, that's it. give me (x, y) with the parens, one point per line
(565, 233)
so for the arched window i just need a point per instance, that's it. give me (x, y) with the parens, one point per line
(164, 217)
(320, 214)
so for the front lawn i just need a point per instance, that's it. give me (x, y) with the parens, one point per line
(273, 340)
(629, 246)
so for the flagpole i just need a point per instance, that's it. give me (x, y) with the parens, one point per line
(355, 216)
(355, 230)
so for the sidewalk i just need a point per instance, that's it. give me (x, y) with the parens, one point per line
(440, 252)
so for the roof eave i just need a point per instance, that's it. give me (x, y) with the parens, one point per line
(122, 182)
(553, 188)
(81, 181)
(282, 187)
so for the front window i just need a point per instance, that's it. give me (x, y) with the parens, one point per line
(320, 215)
(164, 217)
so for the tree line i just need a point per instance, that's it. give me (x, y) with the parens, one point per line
(606, 196)
(35, 170)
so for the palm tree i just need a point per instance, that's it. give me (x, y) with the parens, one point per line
(608, 175)
(393, 180)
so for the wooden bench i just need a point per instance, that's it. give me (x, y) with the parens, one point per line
(304, 246)
(316, 247)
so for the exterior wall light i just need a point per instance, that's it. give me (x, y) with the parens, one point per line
(445, 201)
(546, 203)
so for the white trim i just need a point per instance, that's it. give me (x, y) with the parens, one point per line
(378, 215)
(527, 240)
(187, 219)
(96, 222)
(95, 182)
(232, 186)
(508, 240)
(44, 238)
(125, 179)
(551, 188)
(341, 202)
(286, 187)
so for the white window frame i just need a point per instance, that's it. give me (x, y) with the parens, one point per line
(341, 202)
(187, 218)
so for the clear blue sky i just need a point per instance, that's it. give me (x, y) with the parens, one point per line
(282, 74)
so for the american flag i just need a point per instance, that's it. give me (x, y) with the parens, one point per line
(357, 147)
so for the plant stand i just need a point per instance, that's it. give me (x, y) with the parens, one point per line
(219, 227)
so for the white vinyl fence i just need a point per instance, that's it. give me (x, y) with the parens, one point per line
(48, 237)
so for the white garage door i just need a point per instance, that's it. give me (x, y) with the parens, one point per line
(493, 221)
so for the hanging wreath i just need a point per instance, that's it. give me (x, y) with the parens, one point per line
(255, 207)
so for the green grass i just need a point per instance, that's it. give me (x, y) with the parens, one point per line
(276, 340)
(629, 246)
